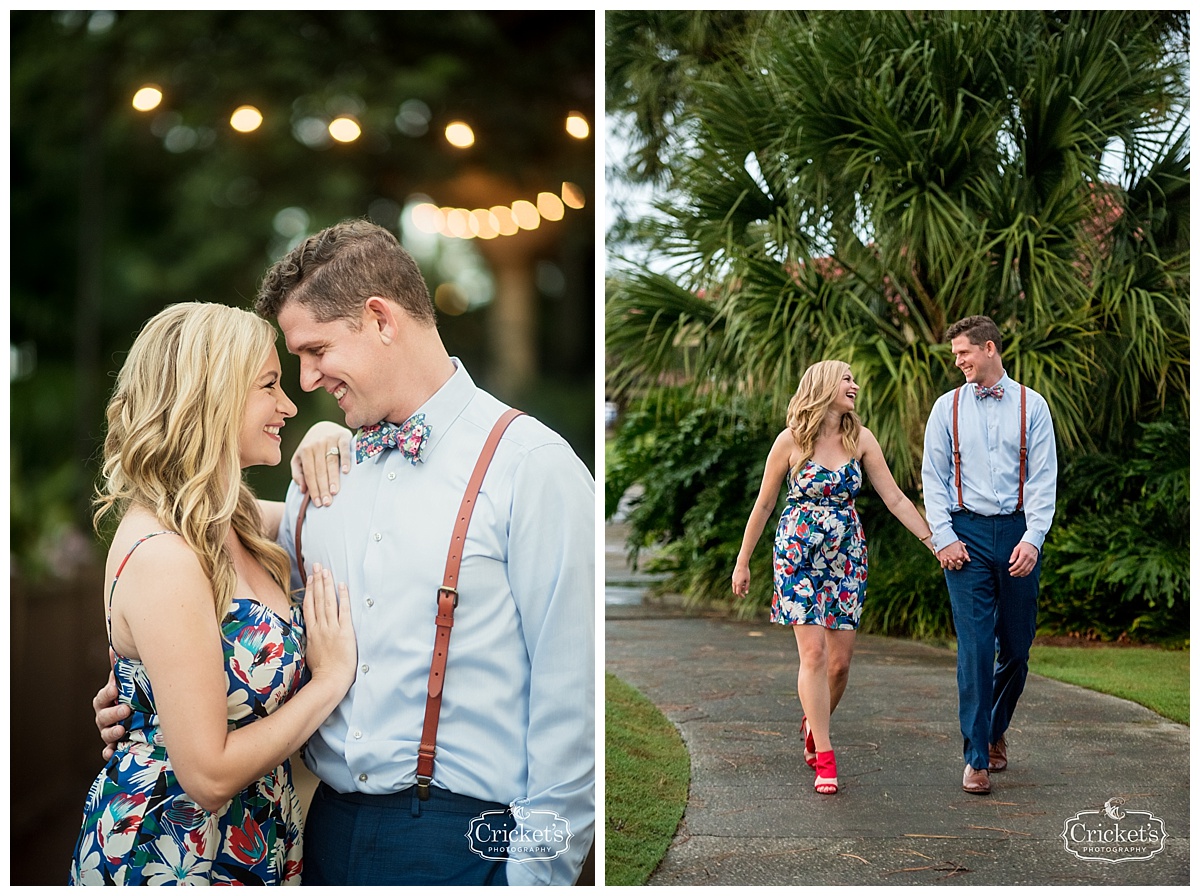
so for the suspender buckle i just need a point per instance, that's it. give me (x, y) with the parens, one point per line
(446, 590)
(423, 787)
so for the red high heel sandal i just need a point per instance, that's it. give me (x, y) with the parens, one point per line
(826, 781)
(810, 745)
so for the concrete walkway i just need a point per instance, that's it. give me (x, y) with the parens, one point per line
(901, 817)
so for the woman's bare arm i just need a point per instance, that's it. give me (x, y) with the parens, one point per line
(163, 614)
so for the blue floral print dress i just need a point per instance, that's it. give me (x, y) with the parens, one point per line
(139, 827)
(820, 550)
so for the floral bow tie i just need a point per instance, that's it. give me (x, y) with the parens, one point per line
(410, 437)
(996, 392)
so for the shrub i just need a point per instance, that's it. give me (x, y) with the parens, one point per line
(700, 469)
(1117, 559)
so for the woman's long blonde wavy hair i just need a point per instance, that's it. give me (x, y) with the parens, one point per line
(172, 442)
(807, 408)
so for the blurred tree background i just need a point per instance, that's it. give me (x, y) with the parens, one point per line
(845, 185)
(116, 213)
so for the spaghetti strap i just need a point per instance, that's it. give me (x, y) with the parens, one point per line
(113, 587)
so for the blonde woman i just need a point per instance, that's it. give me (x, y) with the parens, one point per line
(209, 646)
(820, 551)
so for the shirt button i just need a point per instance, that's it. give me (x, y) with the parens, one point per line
(362, 777)
(370, 602)
(357, 735)
(378, 537)
(365, 668)
(391, 475)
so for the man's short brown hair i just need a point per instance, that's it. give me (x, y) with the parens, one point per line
(334, 271)
(979, 330)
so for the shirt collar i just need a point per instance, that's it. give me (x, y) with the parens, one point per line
(447, 403)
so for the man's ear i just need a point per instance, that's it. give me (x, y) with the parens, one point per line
(381, 314)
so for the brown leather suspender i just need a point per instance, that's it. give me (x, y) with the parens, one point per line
(447, 600)
(958, 455)
(1024, 453)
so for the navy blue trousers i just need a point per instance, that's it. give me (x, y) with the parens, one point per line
(395, 839)
(995, 618)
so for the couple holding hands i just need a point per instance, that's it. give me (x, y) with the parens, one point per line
(989, 476)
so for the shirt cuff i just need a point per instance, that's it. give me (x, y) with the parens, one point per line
(944, 536)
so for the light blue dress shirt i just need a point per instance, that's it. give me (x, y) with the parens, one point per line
(517, 722)
(989, 433)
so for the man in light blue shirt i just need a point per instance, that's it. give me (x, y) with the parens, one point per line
(990, 471)
(515, 743)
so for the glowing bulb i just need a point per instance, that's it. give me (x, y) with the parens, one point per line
(245, 119)
(526, 214)
(457, 224)
(344, 129)
(459, 133)
(550, 206)
(506, 224)
(577, 126)
(147, 98)
(484, 224)
(572, 195)
(428, 218)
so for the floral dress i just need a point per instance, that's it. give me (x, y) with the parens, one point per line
(139, 827)
(820, 550)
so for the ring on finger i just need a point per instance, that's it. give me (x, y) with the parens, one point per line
(333, 452)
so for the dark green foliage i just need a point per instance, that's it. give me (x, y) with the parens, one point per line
(906, 589)
(700, 475)
(1117, 560)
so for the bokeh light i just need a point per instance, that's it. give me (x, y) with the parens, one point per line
(490, 223)
(450, 299)
(577, 126)
(484, 224)
(245, 119)
(572, 195)
(459, 133)
(457, 223)
(147, 98)
(413, 118)
(550, 207)
(506, 224)
(344, 129)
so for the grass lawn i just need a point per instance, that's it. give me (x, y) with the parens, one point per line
(1157, 679)
(646, 775)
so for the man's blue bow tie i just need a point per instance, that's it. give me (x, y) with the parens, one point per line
(996, 392)
(410, 437)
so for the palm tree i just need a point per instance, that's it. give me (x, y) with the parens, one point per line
(846, 184)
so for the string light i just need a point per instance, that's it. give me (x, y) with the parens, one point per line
(572, 195)
(245, 119)
(344, 129)
(499, 220)
(459, 133)
(526, 214)
(147, 98)
(577, 126)
(460, 223)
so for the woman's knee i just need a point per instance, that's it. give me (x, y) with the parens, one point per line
(838, 669)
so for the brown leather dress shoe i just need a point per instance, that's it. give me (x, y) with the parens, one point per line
(998, 755)
(976, 780)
